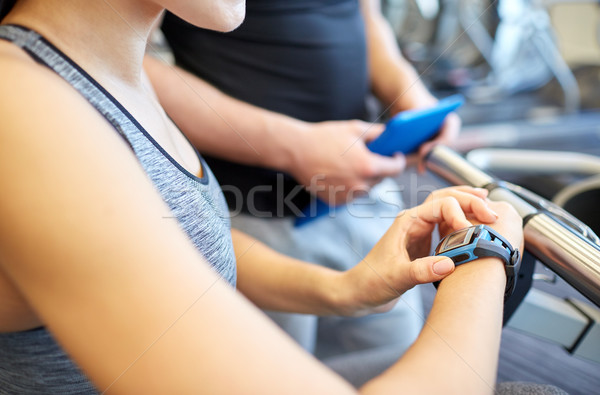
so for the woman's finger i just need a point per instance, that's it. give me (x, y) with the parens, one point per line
(446, 209)
(480, 192)
(469, 202)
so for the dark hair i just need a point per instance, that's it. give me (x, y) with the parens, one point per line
(5, 7)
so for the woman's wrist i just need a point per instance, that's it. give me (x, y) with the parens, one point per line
(355, 294)
(484, 274)
(341, 296)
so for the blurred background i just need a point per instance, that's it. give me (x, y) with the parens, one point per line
(530, 73)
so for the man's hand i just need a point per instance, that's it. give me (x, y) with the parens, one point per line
(446, 136)
(417, 98)
(334, 163)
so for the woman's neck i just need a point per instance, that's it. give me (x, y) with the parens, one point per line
(105, 37)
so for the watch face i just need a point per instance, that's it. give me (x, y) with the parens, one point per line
(457, 239)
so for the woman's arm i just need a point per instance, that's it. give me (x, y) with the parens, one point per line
(398, 262)
(84, 237)
(457, 350)
(88, 241)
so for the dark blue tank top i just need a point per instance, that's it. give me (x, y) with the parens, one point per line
(303, 58)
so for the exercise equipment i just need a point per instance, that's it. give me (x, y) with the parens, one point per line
(558, 240)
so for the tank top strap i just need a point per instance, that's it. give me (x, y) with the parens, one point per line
(47, 54)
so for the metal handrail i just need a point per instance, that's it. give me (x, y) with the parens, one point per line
(567, 247)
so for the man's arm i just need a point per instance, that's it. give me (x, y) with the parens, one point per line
(225, 127)
(221, 125)
(395, 82)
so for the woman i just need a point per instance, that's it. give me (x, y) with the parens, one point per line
(96, 265)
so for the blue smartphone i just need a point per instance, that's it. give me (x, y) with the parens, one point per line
(404, 133)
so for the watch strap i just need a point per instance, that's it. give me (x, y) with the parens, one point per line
(497, 247)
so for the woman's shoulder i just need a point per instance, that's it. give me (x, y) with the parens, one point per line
(31, 92)
(17, 67)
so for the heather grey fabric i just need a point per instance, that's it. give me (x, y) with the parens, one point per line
(524, 388)
(31, 362)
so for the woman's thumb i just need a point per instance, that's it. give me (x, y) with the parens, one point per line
(431, 268)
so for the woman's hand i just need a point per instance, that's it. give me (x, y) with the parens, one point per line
(400, 260)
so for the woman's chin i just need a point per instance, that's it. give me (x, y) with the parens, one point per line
(231, 23)
(222, 18)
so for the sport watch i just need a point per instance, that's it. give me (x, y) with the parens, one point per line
(481, 241)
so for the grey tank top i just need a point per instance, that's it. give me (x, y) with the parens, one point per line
(31, 362)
